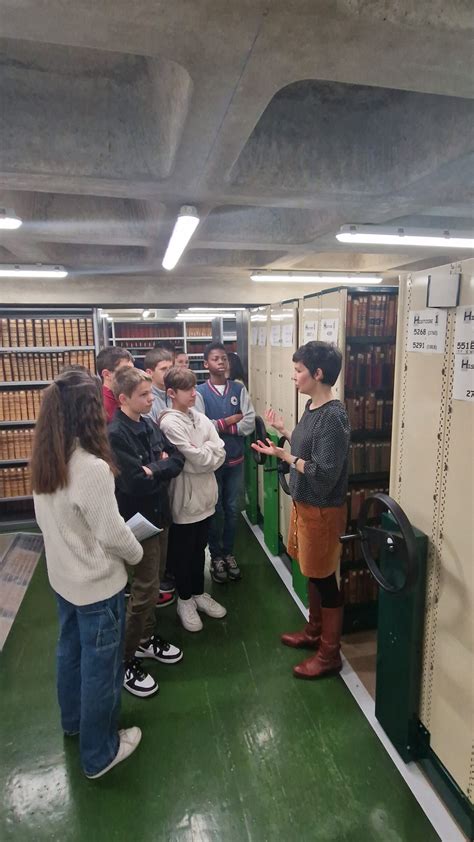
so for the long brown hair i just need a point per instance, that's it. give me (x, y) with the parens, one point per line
(72, 411)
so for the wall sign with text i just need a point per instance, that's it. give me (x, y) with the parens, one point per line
(427, 331)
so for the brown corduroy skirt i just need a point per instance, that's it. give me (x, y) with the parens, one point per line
(313, 538)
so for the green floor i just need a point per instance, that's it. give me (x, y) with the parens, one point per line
(234, 748)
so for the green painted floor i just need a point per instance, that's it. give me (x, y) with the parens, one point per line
(234, 748)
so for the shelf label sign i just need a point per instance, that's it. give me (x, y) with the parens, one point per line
(463, 379)
(310, 331)
(427, 331)
(262, 336)
(275, 336)
(329, 330)
(287, 335)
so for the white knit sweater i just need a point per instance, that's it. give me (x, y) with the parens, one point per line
(86, 539)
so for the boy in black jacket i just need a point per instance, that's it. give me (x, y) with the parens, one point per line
(147, 462)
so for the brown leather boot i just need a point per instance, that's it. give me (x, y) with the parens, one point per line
(310, 636)
(328, 658)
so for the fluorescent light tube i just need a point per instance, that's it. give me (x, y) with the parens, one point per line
(9, 221)
(183, 230)
(203, 317)
(145, 314)
(372, 235)
(294, 278)
(38, 270)
(208, 309)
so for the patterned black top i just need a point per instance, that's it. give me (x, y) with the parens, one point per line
(321, 438)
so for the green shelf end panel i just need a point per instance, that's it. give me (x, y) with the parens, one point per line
(399, 650)
(271, 514)
(300, 583)
(251, 480)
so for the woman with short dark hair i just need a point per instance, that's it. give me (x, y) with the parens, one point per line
(318, 465)
(87, 544)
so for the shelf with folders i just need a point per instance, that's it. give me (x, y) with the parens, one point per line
(369, 370)
(36, 345)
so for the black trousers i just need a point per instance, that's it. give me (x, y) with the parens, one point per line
(186, 549)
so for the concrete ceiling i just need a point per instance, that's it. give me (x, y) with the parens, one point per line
(280, 121)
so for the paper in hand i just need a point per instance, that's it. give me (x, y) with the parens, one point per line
(142, 528)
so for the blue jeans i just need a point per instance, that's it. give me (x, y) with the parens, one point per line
(90, 676)
(224, 523)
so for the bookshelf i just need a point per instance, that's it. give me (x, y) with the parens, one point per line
(369, 370)
(188, 336)
(35, 346)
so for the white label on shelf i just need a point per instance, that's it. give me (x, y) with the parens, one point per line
(310, 331)
(287, 335)
(427, 331)
(262, 336)
(464, 334)
(275, 336)
(254, 336)
(328, 330)
(463, 380)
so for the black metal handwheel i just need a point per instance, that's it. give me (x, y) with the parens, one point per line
(260, 434)
(283, 467)
(400, 541)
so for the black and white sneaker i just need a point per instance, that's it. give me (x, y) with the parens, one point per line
(159, 649)
(127, 590)
(167, 584)
(137, 681)
(233, 569)
(219, 570)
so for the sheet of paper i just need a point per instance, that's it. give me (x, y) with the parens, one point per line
(275, 336)
(427, 331)
(262, 336)
(254, 336)
(463, 379)
(329, 330)
(142, 528)
(310, 331)
(287, 335)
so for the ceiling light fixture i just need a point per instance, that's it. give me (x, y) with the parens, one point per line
(314, 278)
(375, 235)
(220, 309)
(9, 221)
(203, 317)
(183, 230)
(146, 314)
(37, 270)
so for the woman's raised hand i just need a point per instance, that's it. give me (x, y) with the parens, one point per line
(275, 420)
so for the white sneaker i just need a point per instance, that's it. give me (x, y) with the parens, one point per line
(188, 615)
(129, 739)
(205, 603)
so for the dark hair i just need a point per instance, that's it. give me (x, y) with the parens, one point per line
(155, 356)
(126, 380)
(321, 355)
(72, 410)
(213, 346)
(179, 378)
(236, 369)
(109, 358)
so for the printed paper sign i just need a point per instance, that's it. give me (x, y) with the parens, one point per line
(427, 331)
(328, 330)
(287, 335)
(254, 336)
(262, 336)
(310, 331)
(463, 380)
(275, 336)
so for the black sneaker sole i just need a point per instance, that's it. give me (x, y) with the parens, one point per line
(219, 581)
(175, 660)
(140, 694)
(234, 578)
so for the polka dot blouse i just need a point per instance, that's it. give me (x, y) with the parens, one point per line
(321, 438)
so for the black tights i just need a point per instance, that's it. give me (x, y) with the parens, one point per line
(329, 591)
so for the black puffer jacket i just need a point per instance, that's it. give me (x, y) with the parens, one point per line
(137, 444)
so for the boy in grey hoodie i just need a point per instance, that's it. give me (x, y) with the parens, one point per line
(193, 496)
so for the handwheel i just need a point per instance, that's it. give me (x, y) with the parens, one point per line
(402, 542)
(259, 434)
(283, 467)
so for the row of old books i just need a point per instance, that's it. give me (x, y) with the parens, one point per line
(15, 482)
(16, 444)
(40, 365)
(370, 413)
(355, 498)
(45, 333)
(369, 457)
(204, 329)
(371, 315)
(138, 330)
(20, 404)
(373, 368)
(358, 586)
